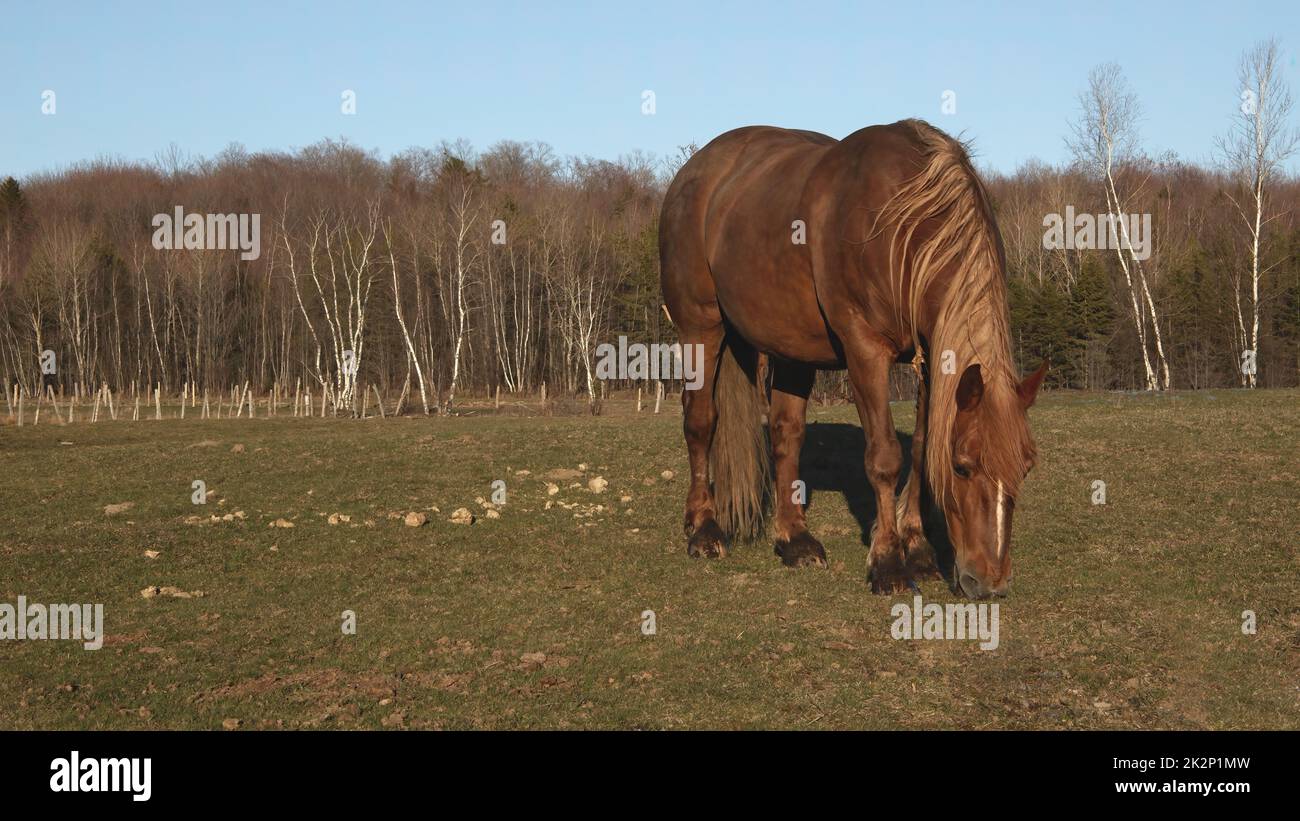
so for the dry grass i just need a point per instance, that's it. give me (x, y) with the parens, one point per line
(1126, 615)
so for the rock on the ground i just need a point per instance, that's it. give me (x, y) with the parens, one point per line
(174, 592)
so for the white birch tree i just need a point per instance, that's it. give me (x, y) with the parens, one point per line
(1253, 154)
(1104, 139)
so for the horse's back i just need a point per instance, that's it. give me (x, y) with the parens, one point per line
(726, 236)
(735, 155)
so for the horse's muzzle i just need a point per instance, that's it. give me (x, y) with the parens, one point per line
(976, 588)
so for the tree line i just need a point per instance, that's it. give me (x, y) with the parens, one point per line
(445, 271)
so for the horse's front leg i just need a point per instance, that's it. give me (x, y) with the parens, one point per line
(869, 363)
(920, 555)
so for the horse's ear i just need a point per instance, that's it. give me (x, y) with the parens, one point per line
(1028, 389)
(970, 390)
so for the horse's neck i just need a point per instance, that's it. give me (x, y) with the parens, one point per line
(967, 317)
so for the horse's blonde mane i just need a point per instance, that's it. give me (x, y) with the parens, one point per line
(943, 229)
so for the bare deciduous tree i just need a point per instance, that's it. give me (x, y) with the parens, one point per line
(1104, 139)
(1253, 153)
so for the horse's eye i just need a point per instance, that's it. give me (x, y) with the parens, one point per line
(961, 471)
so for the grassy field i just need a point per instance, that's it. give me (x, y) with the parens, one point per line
(1126, 614)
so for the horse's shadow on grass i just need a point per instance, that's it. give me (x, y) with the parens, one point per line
(833, 460)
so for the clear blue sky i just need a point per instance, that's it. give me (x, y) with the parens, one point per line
(131, 78)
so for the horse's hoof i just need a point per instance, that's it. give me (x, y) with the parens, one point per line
(920, 563)
(707, 542)
(889, 575)
(801, 551)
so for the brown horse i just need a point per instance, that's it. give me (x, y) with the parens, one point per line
(783, 252)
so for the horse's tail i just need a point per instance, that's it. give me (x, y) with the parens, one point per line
(738, 458)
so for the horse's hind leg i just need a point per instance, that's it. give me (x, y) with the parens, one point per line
(869, 361)
(700, 418)
(920, 555)
(791, 385)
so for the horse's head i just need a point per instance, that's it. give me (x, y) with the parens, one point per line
(992, 452)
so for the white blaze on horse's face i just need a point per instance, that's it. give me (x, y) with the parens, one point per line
(1002, 506)
(979, 524)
